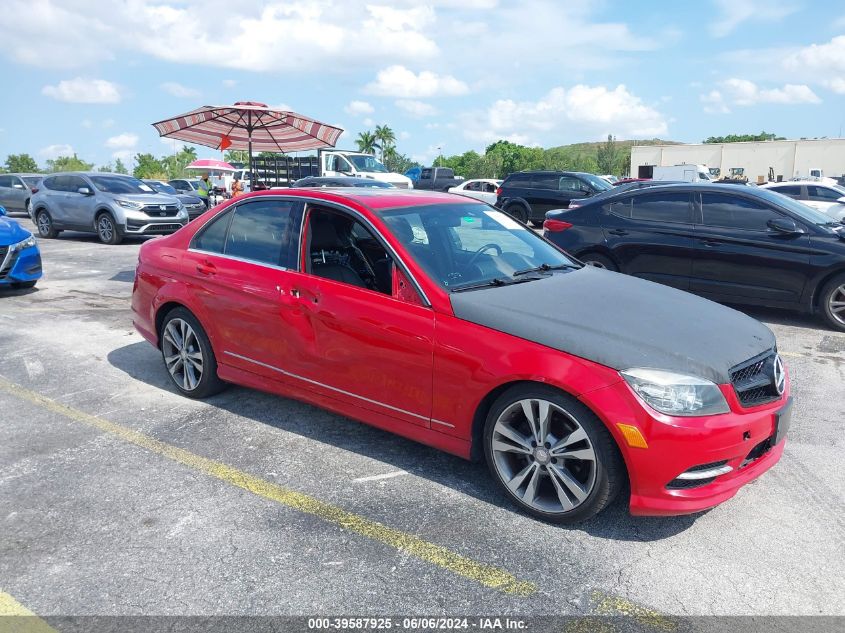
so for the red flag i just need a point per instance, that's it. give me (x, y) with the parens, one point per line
(224, 142)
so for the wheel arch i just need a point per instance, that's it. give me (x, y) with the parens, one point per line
(161, 314)
(817, 291)
(599, 249)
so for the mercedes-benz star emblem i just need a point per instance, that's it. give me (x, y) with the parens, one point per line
(780, 376)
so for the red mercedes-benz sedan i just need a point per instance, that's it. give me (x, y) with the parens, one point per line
(446, 321)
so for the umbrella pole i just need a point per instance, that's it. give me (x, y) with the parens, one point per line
(252, 179)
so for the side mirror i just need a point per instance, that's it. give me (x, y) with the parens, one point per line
(785, 226)
(17, 186)
(2, 211)
(85, 191)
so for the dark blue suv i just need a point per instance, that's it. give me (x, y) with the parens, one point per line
(528, 195)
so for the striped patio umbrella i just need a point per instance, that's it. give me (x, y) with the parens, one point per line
(248, 125)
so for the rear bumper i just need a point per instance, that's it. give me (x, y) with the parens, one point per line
(739, 439)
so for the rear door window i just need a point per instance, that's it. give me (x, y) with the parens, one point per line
(260, 231)
(662, 207)
(823, 194)
(793, 191)
(735, 212)
(619, 208)
(212, 237)
(545, 181)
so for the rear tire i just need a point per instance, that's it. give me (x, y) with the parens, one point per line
(517, 211)
(107, 229)
(188, 356)
(832, 303)
(599, 261)
(45, 225)
(561, 464)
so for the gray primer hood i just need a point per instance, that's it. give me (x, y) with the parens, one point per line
(620, 322)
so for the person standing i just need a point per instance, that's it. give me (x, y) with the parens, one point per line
(237, 187)
(204, 190)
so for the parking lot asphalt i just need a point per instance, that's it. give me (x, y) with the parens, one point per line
(120, 497)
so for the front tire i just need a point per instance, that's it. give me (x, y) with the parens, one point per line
(832, 303)
(107, 229)
(188, 355)
(551, 455)
(45, 225)
(20, 285)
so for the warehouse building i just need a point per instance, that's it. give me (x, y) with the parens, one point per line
(759, 160)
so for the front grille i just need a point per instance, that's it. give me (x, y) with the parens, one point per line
(162, 228)
(754, 380)
(155, 210)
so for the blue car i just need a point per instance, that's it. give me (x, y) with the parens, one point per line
(20, 259)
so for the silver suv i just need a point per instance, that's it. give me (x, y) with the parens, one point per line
(113, 206)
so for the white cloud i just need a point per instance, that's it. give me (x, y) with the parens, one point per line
(82, 90)
(404, 136)
(124, 155)
(742, 92)
(416, 109)
(54, 151)
(596, 111)
(824, 63)
(398, 81)
(122, 141)
(229, 83)
(358, 108)
(730, 14)
(178, 90)
(368, 122)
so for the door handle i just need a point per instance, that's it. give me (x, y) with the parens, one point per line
(296, 293)
(709, 242)
(618, 232)
(206, 268)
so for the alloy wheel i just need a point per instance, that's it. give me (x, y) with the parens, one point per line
(543, 455)
(44, 224)
(182, 354)
(105, 227)
(836, 304)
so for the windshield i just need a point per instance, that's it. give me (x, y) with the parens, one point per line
(369, 182)
(808, 214)
(120, 184)
(363, 162)
(599, 184)
(465, 244)
(161, 187)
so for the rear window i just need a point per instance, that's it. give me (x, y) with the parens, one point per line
(792, 191)
(662, 207)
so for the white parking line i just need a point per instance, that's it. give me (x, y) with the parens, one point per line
(397, 473)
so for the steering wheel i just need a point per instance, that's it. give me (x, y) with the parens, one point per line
(478, 253)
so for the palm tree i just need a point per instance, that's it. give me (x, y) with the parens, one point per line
(367, 142)
(386, 136)
(189, 152)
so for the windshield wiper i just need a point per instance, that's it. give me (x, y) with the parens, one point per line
(496, 281)
(543, 268)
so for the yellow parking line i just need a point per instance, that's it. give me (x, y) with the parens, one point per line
(607, 605)
(443, 557)
(16, 618)
(792, 355)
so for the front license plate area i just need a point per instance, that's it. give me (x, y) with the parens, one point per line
(783, 419)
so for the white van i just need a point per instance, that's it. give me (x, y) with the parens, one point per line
(687, 173)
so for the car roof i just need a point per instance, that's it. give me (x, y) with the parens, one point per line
(374, 198)
(678, 186)
(552, 172)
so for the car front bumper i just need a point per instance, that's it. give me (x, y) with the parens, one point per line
(20, 266)
(740, 439)
(145, 227)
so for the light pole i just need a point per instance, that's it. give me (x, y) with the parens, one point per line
(437, 161)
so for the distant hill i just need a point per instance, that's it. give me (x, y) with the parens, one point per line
(592, 148)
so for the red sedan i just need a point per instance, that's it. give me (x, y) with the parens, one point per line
(444, 320)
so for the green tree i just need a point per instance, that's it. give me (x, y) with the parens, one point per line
(107, 168)
(21, 163)
(148, 166)
(740, 138)
(236, 156)
(385, 137)
(68, 163)
(608, 156)
(367, 142)
(189, 152)
(119, 167)
(397, 162)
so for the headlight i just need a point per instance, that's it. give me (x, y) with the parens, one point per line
(179, 205)
(676, 394)
(27, 243)
(129, 204)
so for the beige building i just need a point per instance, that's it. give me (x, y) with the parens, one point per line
(787, 159)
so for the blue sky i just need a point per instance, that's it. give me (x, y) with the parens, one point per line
(90, 77)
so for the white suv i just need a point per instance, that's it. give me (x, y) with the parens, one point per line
(829, 199)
